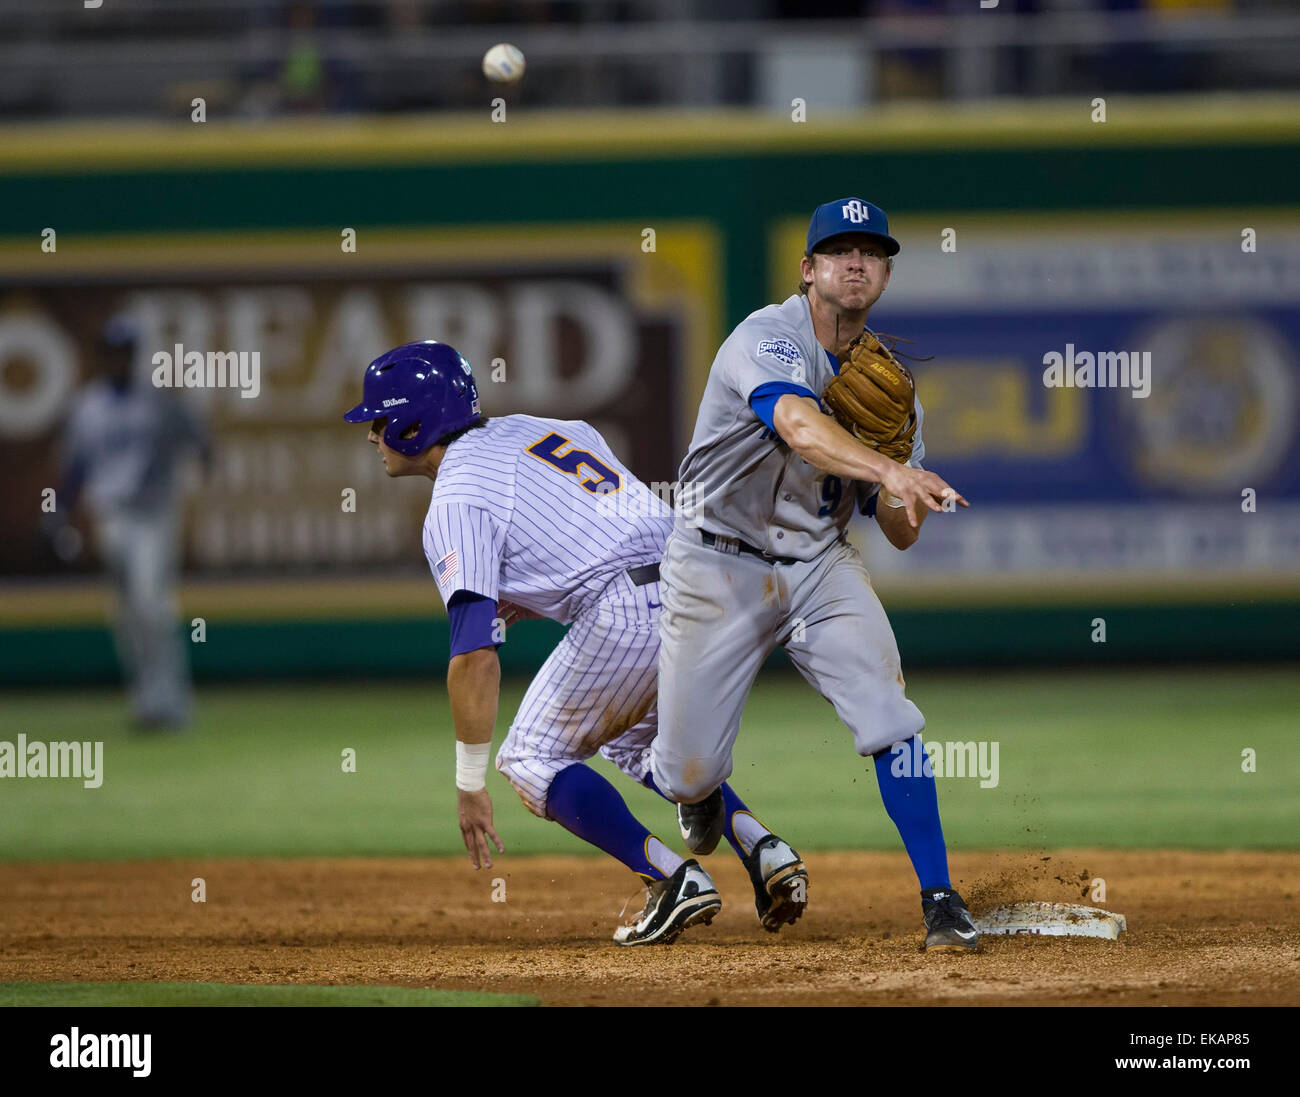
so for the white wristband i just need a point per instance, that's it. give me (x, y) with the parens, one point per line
(890, 500)
(471, 765)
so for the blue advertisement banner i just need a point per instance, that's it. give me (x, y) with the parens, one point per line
(1118, 397)
(1115, 406)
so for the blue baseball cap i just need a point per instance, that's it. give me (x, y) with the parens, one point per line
(850, 215)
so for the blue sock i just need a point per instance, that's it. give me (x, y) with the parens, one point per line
(587, 805)
(912, 802)
(733, 804)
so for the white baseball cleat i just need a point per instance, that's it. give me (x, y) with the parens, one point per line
(780, 882)
(684, 899)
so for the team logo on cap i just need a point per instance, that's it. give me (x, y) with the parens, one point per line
(854, 211)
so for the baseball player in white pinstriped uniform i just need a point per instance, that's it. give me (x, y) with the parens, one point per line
(520, 524)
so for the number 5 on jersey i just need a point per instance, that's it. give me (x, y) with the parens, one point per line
(593, 474)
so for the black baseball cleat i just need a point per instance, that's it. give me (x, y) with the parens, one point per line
(702, 824)
(780, 883)
(949, 926)
(686, 898)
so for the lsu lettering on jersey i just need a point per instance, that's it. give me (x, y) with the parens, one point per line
(541, 513)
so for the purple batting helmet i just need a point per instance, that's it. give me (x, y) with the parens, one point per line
(427, 385)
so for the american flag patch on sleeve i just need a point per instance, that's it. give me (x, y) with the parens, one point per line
(447, 568)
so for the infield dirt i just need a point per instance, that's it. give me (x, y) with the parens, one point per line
(1203, 929)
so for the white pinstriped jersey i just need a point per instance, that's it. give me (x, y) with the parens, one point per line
(541, 513)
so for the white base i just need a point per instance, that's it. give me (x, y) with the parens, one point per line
(1052, 920)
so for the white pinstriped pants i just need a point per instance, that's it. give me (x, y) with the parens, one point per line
(596, 692)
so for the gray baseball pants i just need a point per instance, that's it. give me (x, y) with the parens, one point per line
(725, 612)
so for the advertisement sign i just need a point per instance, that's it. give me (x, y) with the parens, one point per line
(267, 339)
(1116, 397)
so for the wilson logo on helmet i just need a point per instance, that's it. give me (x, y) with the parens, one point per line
(394, 403)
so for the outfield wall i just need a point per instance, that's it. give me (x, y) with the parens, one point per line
(599, 260)
(412, 648)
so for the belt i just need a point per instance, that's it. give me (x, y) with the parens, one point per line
(735, 544)
(644, 575)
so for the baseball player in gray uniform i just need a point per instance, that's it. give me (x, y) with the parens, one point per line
(764, 560)
(123, 445)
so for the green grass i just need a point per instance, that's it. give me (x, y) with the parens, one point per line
(226, 994)
(1110, 758)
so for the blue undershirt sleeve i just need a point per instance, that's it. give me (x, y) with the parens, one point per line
(763, 399)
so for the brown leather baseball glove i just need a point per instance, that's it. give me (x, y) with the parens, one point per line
(874, 397)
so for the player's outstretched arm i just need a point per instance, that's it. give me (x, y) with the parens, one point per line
(473, 685)
(825, 445)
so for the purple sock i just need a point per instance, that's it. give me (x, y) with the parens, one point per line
(912, 802)
(733, 804)
(587, 805)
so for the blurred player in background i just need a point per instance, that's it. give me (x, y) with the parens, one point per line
(521, 525)
(122, 449)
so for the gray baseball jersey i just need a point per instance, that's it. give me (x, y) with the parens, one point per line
(127, 445)
(746, 482)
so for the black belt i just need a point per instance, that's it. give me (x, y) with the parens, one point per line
(644, 575)
(711, 541)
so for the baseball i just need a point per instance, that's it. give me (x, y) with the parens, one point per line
(503, 63)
